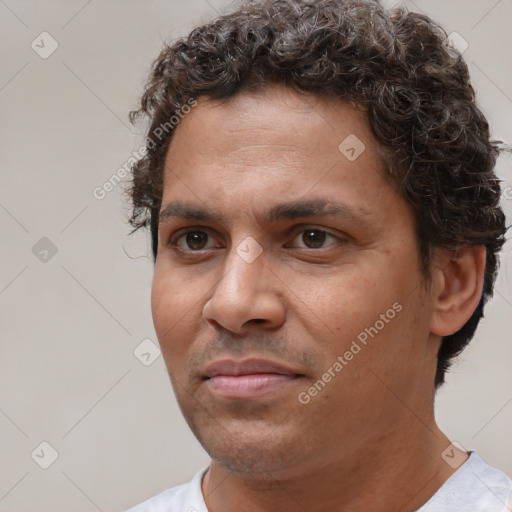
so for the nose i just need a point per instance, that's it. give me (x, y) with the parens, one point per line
(246, 297)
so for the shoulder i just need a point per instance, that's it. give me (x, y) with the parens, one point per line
(181, 498)
(474, 487)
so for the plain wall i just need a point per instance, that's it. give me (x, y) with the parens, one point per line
(70, 324)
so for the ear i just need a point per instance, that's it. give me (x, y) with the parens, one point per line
(458, 282)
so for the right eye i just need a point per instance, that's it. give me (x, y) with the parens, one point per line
(194, 240)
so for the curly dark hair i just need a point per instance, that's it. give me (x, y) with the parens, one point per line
(396, 65)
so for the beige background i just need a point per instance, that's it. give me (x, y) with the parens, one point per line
(70, 324)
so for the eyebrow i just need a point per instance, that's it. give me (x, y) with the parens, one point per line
(284, 211)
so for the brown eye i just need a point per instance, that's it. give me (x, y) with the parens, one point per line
(196, 240)
(314, 238)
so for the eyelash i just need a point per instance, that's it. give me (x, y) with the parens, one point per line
(180, 235)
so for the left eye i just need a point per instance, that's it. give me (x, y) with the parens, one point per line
(312, 238)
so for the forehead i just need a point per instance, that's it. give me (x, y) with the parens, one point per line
(277, 116)
(273, 142)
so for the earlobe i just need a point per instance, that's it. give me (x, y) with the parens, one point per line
(458, 288)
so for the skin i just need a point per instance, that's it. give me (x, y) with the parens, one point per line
(368, 440)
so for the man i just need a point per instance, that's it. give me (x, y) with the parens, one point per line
(325, 218)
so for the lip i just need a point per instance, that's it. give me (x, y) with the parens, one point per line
(249, 378)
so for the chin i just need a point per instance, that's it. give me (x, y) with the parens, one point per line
(254, 458)
(250, 446)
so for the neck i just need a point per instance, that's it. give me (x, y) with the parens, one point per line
(400, 472)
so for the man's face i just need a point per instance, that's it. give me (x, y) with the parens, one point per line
(283, 254)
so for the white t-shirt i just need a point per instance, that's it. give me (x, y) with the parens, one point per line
(474, 487)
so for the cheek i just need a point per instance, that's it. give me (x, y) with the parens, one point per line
(163, 305)
(175, 307)
(345, 301)
(342, 315)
